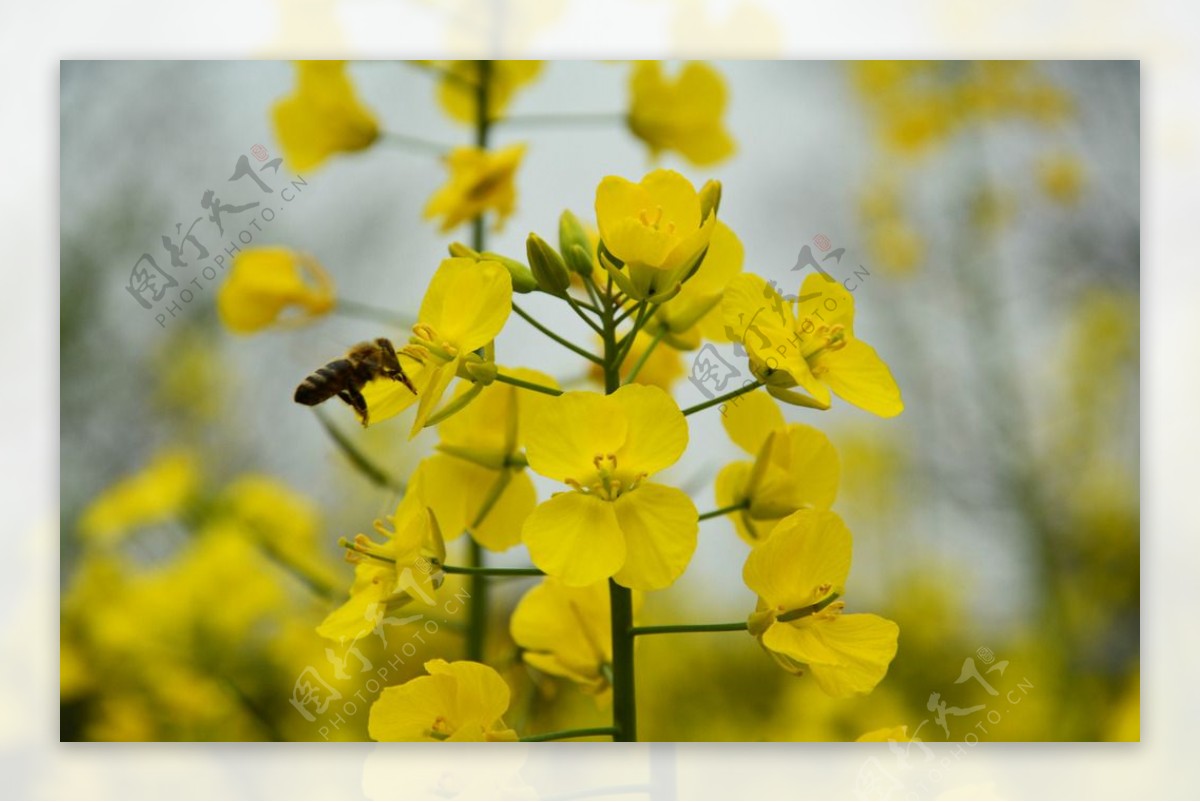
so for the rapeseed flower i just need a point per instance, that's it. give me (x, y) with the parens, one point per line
(654, 233)
(459, 701)
(795, 467)
(457, 90)
(799, 572)
(480, 181)
(323, 116)
(613, 522)
(683, 114)
(808, 344)
(155, 494)
(465, 307)
(268, 286)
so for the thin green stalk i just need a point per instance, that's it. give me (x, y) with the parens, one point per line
(582, 118)
(741, 505)
(560, 735)
(477, 616)
(537, 388)
(473, 571)
(667, 629)
(413, 143)
(578, 307)
(561, 341)
(361, 461)
(721, 399)
(645, 357)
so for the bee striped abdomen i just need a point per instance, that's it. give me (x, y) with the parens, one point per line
(324, 383)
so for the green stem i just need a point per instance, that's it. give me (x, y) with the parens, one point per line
(585, 118)
(561, 735)
(737, 626)
(413, 143)
(577, 306)
(566, 343)
(741, 505)
(349, 308)
(721, 399)
(537, 388)
(641, 360)
(477, 616)
(472, 571)
(361, 461)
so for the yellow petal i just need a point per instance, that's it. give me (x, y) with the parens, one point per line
(730, 489)
(565, 631)
(408, 712)
(467, 302)
(806, 558)
(750, 301)
(824, 302)
(575, 537)
(456, 489)
(750, 419)
(847, 655)
(656, 431)
(456, 91)
(570, 431)
(859, 376)
(356, 618)
(660, 524)
(480, 693)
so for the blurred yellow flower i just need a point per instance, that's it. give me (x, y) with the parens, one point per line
(282, 522)
(683, 114)
(265, 283)
(480, 181)
(390, 574)
(566, 632)
(153, 495)
(695, 313)
(1061, 177)
(896, 247)
(795, 467)
(798, 573)
(613, 523)
(458, 94)
(465, 307)
(323, 116)
(657, 230)
(459, 701)
(809, 344)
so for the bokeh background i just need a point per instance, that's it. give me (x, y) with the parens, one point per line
(993, 210)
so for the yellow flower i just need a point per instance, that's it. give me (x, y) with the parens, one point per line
(683, 114)
(613, 523)
(795, 467)
(481, 469)
(896, 247)
(323, 116)
(480, 181)
(457, 92)
(656, 230)
(812, 347)
(266, 283)
(798, 573)
(390, 574)
(567, 632)
(465, 307)
(459, 701)
(695, 313)
(1062, 178)
(662, 368)
(284, 523)
(156, 494)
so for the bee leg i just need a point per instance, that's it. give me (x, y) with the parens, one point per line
(402, 377)
(355, 399)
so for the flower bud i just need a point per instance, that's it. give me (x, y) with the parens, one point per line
(572, 236)
(710, 198)
(522, 279)
(548, 267)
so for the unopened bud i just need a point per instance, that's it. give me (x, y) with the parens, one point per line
(710, 198)
(522, 278)
(548, 267)
(572, 236)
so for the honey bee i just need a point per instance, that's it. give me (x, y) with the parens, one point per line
(346, 377)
